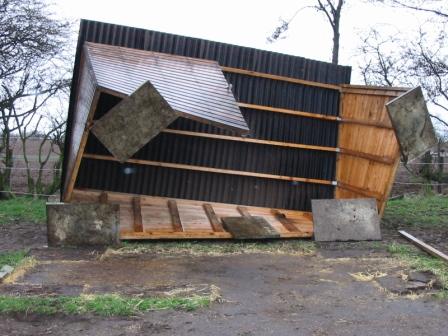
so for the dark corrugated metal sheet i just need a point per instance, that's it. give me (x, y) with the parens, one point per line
(196, 88)
(210, 187)
(263, 125)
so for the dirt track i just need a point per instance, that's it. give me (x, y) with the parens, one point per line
(263, 295)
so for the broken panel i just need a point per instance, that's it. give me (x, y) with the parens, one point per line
(410, 119)
(132, 123)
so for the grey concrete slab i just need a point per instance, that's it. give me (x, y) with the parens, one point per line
(132, 123)
(345, 219)
(410, 119)
(249, 228)
(81, 224)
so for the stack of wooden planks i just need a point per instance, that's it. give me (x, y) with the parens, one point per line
(149, 217)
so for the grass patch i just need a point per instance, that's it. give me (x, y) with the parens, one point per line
(13, 258)
(302, 247)
(420, 261)
(104, 305)
(423, 211)
(22, 208)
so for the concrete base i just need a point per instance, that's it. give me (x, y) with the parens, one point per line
(76, 224)
(345, 219)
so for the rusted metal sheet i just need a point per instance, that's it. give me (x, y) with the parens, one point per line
(194, 88)
(413, 128)
(132, 123)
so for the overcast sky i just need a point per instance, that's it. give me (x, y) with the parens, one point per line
(250, 22)
(246, 22)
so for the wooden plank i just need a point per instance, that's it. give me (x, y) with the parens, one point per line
(286, 222)
(91, 195)
(157, 219)
(366, 164)
(211, 170)
(175, 217)
(74, 173)
(288, 111)
(374, 87)
(382, 159)
(361, 191)
(280, 78)
(243, 211)
(251, 140)
(373, 90)
(214, 220)
(137, 211)
(103, 198)
(365, 123)
(148, 234)
(425, 247)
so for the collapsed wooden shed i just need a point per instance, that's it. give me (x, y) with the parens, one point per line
(247, 133)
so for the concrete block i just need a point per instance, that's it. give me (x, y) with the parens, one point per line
(412, 124)
(82, 224)
(345, 219)
(132, 123)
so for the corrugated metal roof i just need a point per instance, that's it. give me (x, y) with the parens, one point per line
(193, 87)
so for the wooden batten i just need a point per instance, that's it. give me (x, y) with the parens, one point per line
(280, 78)
(175, 217)
(286, 222)
(137, 211)
(214, 220)
(103, 198)
(243, 211)
(251, 140)
(289, 111)
(211, 169)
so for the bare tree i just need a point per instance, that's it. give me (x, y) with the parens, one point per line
(332, 9)
(436, 7)
(419, 60)
(31, 43)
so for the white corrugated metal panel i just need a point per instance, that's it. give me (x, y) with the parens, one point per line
(193, 87)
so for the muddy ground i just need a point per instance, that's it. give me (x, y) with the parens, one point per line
(262, 294)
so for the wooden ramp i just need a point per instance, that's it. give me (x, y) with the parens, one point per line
(149, 217)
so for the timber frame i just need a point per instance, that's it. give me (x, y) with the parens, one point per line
(367, 157)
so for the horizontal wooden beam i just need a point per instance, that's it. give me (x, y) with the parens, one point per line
(288, 111)
(381, 159)
(211, 170)
(365, 123)
(251, 140)
(361, 191)
(372, 91)
(371, 157)
(280, 78)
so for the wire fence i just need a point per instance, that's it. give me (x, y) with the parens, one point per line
(25, 193)
(426, 184)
